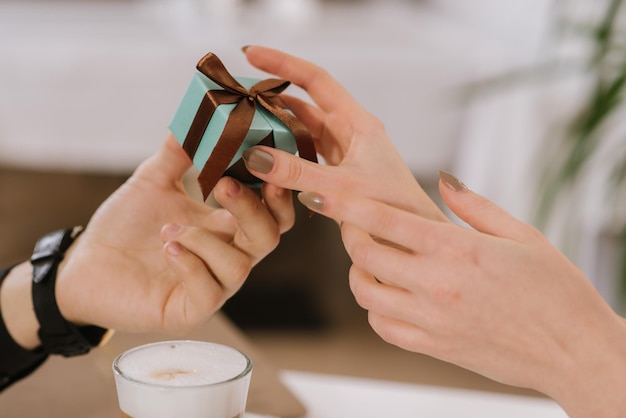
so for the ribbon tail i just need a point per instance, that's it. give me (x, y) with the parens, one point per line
(230, 141)
(304, 140)
(199, 124)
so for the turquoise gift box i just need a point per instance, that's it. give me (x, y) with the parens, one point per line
(263, 124)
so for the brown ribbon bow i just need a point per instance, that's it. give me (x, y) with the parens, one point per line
(264, 93)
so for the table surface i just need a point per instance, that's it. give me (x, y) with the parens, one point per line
(83, 386)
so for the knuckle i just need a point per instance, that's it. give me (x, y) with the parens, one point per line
(376, 123)
(285, 224)
(293, 172)
(240, 270)
(482, 205)
(287, 171)
(384, 332)
(215, 299)
(268, 242)
(317, 75)
(533, 234)
(385, 220)
(360, 253)
(369, 124)
(272, 240)
(446, 294)
(361, 295)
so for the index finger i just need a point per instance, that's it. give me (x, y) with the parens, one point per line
(387, 223)
(325, 91)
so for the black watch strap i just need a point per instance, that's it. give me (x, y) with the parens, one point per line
(16, 361)
(57, 335)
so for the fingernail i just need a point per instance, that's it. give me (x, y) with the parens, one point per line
(173, 248)
(258, 160)
(171, 230)
(451, 181)
(313, 201)
(245, 48)
(233, 187)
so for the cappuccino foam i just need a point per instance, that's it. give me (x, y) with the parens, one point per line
(186, 364)
(186, 379)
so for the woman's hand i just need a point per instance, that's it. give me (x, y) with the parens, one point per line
(354, 144)
(153, 259)
(499, 300)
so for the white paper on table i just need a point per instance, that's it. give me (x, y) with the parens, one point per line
(327, 396)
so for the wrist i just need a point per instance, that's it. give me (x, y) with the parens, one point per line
(67, 296)
(57, 334)
(594, 381)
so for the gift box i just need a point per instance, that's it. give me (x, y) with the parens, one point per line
(220, 116)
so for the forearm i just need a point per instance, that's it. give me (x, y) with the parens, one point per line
(18, 331)
(16, 305)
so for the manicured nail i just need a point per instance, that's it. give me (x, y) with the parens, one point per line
(173, 248)
(233, 188)
(171, 230)
(451, 181)
(245, 48)
(258, 160)
(313, 201)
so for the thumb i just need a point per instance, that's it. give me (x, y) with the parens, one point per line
(286, 170)
(479, 212)
(168, 164)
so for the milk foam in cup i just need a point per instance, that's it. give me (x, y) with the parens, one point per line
(182, 379)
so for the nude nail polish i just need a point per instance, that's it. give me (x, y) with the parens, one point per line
(451, 181)
(172, 230)
(313, 201)
(258, 160)
(173, 248)
(233, 187)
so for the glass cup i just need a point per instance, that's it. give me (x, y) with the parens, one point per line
(182, 379)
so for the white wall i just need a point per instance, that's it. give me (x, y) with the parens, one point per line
(93, 86)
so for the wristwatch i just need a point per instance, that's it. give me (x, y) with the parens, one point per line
(57, 335)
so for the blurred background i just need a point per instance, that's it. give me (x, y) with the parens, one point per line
(521, 100)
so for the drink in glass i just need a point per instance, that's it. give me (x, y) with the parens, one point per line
(182, 379)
